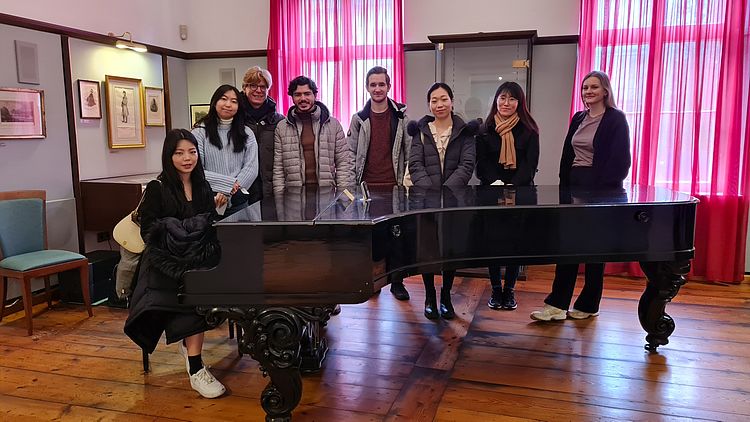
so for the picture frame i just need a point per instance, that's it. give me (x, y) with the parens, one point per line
(22, 114)
(124, 99)
(153, 105)
(197, 111)
(89, 99)
(27, 62)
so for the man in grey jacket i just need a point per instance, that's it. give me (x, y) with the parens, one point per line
(378, 139)
(309, 145)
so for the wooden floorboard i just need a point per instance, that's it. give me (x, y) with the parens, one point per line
(387, 362)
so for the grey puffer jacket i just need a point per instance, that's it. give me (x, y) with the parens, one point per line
(334, 159)
(460, 155)
(359, 139)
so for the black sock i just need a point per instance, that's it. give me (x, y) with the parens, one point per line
(196, 364)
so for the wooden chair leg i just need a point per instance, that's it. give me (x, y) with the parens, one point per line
(28, 304)
(146, 364)
(3, 291)
(84, 274)
(47, 291)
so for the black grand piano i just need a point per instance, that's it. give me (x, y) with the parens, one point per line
(287, 260)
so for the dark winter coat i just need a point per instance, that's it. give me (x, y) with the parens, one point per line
(489, 169)
(611, 149)
(264, 129)
(460, 154)
(179, 237)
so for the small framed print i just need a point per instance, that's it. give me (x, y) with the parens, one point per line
(89, 99)
(197, 112)
(124, 112)
(22, 114)
(154, 106)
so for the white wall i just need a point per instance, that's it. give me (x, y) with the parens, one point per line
(41, 163)
(95, 159)
(178, 93)
(203, 75)
(443, 17)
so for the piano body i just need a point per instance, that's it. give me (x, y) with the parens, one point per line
(288, 259)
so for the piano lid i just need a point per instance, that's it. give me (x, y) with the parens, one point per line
(313, 205)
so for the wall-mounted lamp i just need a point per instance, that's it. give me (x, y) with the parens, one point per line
(126, 41)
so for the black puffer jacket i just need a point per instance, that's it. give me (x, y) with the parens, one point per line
(263, 124)
(460, 155)
(174, 246)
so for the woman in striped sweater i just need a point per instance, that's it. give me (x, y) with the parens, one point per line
(227, 147)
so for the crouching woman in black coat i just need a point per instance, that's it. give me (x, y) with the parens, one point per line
(176, 217)
(443, 152)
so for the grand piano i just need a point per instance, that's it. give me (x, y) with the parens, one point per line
(288, 259)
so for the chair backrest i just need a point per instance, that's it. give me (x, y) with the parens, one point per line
(22, 222)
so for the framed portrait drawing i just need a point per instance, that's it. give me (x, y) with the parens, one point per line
(124, 112)
(197, 112)
(154, 106)
(89, 99)
(22, 114)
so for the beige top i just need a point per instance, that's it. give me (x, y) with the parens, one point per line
(441, 141)
(583, 141)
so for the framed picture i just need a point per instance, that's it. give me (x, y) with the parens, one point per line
(89, 99)
(22, 114)
(154, 106)
(197, 112)
(124, 112)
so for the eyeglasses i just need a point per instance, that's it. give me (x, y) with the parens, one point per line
(253, 87)
(509, 100)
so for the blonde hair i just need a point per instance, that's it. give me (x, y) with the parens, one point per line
(609, 99)
(255, 75)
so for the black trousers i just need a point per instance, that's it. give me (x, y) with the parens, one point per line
(511, 275)
(566, 274)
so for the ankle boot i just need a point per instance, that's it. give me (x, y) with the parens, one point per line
(446, 307)
(430, 304)
(509, 300)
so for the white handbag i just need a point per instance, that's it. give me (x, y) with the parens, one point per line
(128, 234)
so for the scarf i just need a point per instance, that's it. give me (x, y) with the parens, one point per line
(503, 127)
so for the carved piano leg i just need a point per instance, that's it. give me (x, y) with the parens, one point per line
(281, 340)
(664, 281)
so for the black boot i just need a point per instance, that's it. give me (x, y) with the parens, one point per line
(430, 304)
(399, 291)
(509, 300)
(496, 300)
(446, 307)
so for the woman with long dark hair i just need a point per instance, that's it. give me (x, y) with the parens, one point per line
(176, 217)
(507, 150)
(442, 154)
(227, 147)
(596, 154)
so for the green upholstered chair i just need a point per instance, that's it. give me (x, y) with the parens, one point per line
(23, 250)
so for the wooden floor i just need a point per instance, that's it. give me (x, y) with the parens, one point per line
(387, 362)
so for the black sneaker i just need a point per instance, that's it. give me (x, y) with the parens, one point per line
(496, 301)
(399, 291)
(509, 300)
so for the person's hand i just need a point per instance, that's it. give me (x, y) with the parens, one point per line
(220, 200)
(236, 187)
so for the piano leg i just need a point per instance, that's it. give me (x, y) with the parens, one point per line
(278, 338)
(664, 281)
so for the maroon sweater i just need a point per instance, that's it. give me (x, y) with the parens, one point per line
(379, 167)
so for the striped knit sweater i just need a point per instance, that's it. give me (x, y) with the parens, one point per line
(224, 166)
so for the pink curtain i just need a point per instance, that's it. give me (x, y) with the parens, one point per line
(335, 43)
(680, 71)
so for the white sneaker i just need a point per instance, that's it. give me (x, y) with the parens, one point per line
(184, 353)
(549, 313)
(576, 314)
(206, 384)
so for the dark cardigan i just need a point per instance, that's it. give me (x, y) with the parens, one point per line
(460, 154)
(489, 169)
(611, 149)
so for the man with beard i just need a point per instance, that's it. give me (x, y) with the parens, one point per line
(309, 145)
(377, 138)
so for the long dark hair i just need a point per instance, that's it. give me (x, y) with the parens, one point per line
(237, 135)
(515, 91)
(169, 176)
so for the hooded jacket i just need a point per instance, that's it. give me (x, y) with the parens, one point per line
(333, 157)
(460, 154)
(359, 139)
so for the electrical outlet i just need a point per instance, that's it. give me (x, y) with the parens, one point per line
(102, 236)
